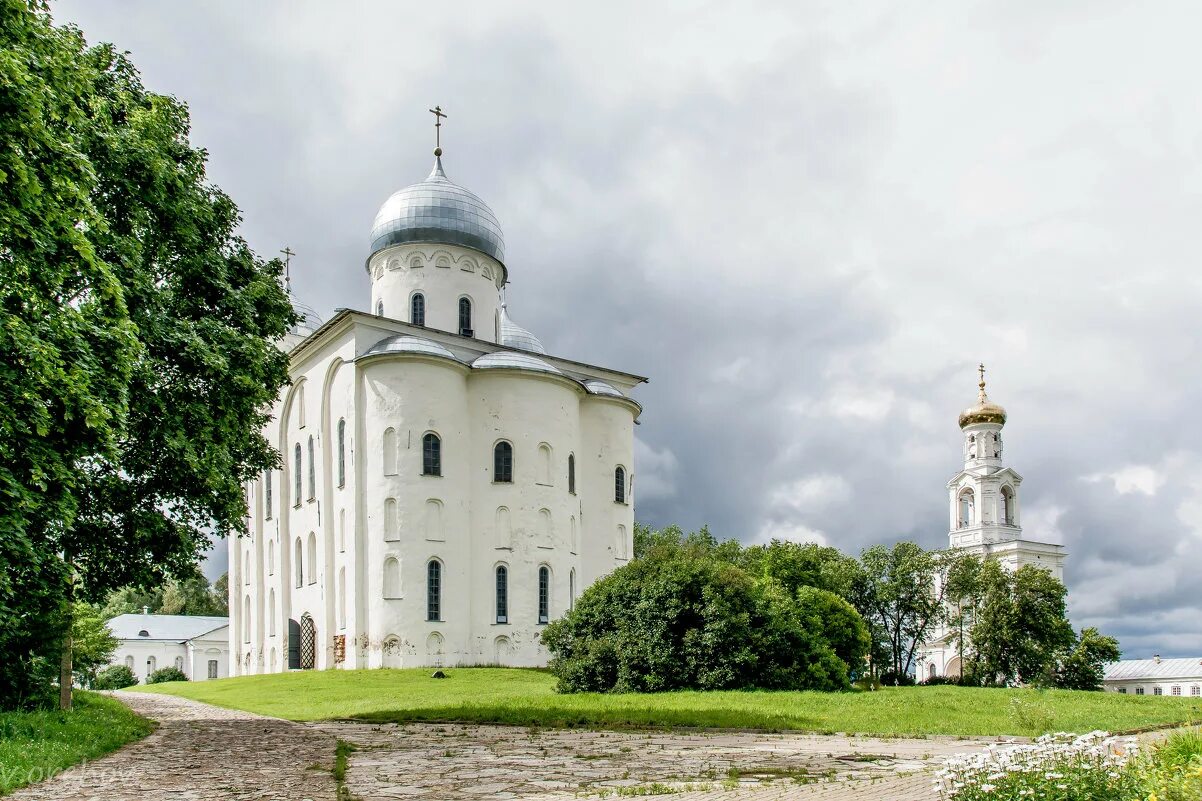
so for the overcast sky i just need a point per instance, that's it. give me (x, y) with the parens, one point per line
(807, 222)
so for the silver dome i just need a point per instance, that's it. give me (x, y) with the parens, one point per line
(437, 210)
(309, 319)
(406, 344)
(514, 336)
(602, 388)
(515, 361)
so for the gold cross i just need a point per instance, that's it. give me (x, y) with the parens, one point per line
(438, 118)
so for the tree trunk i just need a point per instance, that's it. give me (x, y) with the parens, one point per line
(65, 677)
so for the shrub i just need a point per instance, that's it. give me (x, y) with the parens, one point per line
(1174, 771)
(166, 674)
(674, 620)
(114, 677)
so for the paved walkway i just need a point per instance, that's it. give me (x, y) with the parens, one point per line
(201, 752)
(445, 762)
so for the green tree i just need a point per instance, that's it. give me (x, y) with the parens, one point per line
(137, 338)
(1019, 627)
(93, 643)
(191, 594)
(1083, 665)
(796, 565)
(899, 594)
(679, 619)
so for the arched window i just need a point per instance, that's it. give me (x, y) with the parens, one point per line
(312, 558)
(271, 557)
(245, 620)
(1007, 510)
(966, 508)
(572, 473)
(434, 530)
(379, 308)
(267, 493)
(434, 590)
(571, 589)
(300, 405)
(546, 531)
(572, 534)
(298, 561)
(296, 477)
(342, 452)
(342, 598)
(544, 594)
(312, 472)
(271, 613)
(390, 452)
(391, 521)
(246, 567)
(152, 663)
(392, 577)
(465, 317)
(620, 485)
(417, 309)
(502, 463)
(502, 594)
(431, 455)
(620, 543)
(545, 476)
(341, 529)
(504, 528)
(129, 662)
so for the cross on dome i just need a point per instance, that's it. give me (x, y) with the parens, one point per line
(438, 118)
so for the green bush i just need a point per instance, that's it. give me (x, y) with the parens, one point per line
(675, 620)
(114, 677)
(166, 674)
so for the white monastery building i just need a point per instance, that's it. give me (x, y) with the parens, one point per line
(984, 516)
(448, 486)
(1155, 676)
(195, 644)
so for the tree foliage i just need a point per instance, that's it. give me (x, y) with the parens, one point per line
(136, 340)
(1083, 665)
(165, 674)
(188, 595)
(680, 617)
(93, 643)
(114, 677)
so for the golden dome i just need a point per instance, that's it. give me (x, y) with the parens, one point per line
(985, 410)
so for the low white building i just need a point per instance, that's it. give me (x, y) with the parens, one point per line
(1155, 676)
(197, 645)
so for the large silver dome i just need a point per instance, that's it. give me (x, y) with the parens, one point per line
(437, 210)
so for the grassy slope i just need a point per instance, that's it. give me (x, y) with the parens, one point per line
(37, 745)
(527, 697)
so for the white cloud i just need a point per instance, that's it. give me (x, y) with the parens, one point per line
(1133, 478)
(812, 493)
(655, 471)
(789, 532)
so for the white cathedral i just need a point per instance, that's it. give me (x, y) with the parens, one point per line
(984, 518)
(448, 486)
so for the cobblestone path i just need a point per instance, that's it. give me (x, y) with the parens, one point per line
(444, 762)
(201, 752)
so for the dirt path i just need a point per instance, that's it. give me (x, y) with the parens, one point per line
(201, 752)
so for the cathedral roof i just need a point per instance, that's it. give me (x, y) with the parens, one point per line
(985, 410)
(601, 388)
(504, 359)
(514, 336)
(440, 211)
(407, 344)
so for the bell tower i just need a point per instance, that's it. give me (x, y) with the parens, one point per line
(985, 514)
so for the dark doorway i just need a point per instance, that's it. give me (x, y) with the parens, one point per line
(294, 639)
(308, 643)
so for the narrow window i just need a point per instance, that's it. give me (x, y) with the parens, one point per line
(1123, 690)
(544, 594)
(179, 663)
(545, 476)
(465, 317)
(341, 529)
(391, 521)
(434, 590)
(312, 558)
(1195, 691)
(417, 309)
(1007, 506)
(572, 589)
(390, 452)
(620, 543)
(212, 668)
(246, 568)
(1176, 690)
(342, 598)
(502, 463)
(342, 452)
(1157, 691)
(296, 476)
(271, 557)
(245, 620)
(431, 455)
(966, 504)
(1139, 690)
(312, 472)
(379, 308)
(300, 565)
(502, 594)
(271, 614)
(620, 485)
(267, 492)
(572, 473)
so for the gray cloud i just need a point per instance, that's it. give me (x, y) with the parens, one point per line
(806, 224)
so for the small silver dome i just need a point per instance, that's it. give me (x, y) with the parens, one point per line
(514, 336)
(407, 344)
(309, 322)
(601, 388)
(504, 359)
(437, 210)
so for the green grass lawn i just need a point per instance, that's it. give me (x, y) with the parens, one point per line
(36, 745)
(528, 697)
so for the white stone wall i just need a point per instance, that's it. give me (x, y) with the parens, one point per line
(191, 656)
(1190, 686)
